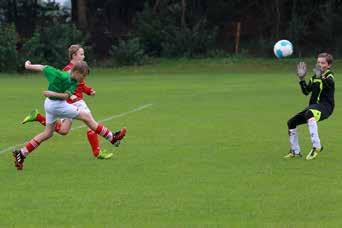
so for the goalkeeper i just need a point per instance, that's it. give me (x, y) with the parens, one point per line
(321, 104)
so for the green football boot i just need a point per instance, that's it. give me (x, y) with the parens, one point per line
(104, 155)
(31, 117)
(314, 153)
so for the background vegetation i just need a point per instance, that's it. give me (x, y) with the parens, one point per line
(125, 32)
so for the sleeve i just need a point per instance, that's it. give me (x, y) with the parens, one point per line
(328, 82)
(50, 73)
(86, 89)
(68, 67)
(306, 88)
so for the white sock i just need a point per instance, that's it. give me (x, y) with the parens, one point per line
(294, 142)
(313, 129)
(24, 151)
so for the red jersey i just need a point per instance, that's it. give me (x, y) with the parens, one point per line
(81, 87)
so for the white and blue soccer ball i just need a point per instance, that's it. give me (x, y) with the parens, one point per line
(283, 48)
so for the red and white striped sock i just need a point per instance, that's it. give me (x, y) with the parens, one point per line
(30, 146)
(104, 132)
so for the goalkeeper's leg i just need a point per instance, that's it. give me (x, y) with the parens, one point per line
(292, 124)
(313, 116)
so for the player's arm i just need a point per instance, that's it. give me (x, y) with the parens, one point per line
(33, 67)
(301, 73)
(328, 82)
(88, 90)
(71, 91)
(306, 87)
(63, 96)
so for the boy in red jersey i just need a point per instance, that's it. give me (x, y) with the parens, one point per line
(76, 53)
(61, 86)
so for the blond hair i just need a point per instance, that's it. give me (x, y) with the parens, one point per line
(73, 49)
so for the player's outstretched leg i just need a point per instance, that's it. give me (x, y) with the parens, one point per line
(36, 116)
(20, 154)
(31, 117)
(118, 136)
(113, 137)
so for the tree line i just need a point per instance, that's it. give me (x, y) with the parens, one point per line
(173, 28)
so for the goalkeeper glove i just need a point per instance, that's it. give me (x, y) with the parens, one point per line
(301, 70)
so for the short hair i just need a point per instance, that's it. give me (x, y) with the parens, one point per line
(73, 50)
(328, 57)
(82, 67)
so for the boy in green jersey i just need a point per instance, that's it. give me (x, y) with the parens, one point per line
(61, 87)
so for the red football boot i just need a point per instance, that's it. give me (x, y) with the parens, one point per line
(118, 136)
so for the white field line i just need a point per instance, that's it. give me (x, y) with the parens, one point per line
(83, 125)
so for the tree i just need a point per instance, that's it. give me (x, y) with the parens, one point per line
(183, 23)
(82, 14)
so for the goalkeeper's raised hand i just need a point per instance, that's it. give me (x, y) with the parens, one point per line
(301, 70)
(318, 71)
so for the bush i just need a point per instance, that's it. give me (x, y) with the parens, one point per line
(162, 35)
(129, 52)
(8, 52)
(189, 42)
(50, 45)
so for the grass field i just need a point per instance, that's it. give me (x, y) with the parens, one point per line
(206, 151)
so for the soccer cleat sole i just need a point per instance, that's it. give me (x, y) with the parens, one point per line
(18, 160)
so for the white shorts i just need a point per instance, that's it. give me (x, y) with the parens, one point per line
(81, 105)
(55, 109)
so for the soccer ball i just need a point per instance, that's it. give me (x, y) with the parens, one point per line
(283, 48)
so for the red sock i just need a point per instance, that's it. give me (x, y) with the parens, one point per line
(41, 119)
(93, 140)
(103, 131)
(30, 146)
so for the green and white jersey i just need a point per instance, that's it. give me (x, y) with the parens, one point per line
(59, 81)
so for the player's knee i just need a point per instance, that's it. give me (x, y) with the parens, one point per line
(291, 124)
(308, 114)
(63, 132)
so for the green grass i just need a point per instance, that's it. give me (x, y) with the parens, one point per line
(207, 153)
